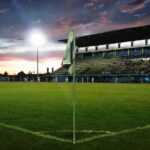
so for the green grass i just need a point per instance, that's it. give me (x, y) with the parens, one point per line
(47, 107)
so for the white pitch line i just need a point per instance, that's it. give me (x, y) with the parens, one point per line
(113, 134)
(50, 137)
(77, 131)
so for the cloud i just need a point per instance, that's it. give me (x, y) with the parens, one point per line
(59, 19)
(37, 21)
(11, 50)
(134, 6)
(4, 10)
(31, 56)
(105, 17)
(99, 4)
(84, 25)
(89, 4)
(94, 4)
(71, 2)
(64, 24)
(100, 27)
(139, 15)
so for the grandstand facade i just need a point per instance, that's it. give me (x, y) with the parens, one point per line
(115, 56)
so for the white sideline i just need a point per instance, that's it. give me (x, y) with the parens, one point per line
(77, 131)
(50, 137)
(113, 134)
(35, 133)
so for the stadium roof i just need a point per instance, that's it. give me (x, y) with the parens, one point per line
(116, 36)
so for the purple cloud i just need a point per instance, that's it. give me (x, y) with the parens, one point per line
(134, 6)
(4, 10)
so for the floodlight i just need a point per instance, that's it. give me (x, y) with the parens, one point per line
(37, 38)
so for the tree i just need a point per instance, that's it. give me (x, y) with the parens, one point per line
(21, 74)
(5, 73)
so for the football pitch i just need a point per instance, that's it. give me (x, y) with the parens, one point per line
(38, 116)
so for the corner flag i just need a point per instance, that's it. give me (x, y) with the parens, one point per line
(69, 59)
(69, 55)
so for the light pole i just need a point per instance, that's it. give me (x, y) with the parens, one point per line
(37, 64)
(37, 39)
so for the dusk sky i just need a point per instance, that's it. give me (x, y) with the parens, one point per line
(55, 18)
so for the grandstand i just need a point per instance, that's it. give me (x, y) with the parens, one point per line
(114, 56)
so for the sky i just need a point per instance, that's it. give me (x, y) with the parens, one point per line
(55, 18)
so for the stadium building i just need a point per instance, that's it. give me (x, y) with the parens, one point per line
(120, 56)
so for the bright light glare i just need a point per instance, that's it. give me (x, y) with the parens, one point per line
(37, 38)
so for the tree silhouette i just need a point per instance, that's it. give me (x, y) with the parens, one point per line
(5, 73)
(21, 74)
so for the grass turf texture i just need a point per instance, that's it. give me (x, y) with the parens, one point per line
(47, 107)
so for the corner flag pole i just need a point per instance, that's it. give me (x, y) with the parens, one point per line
(74, 90)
